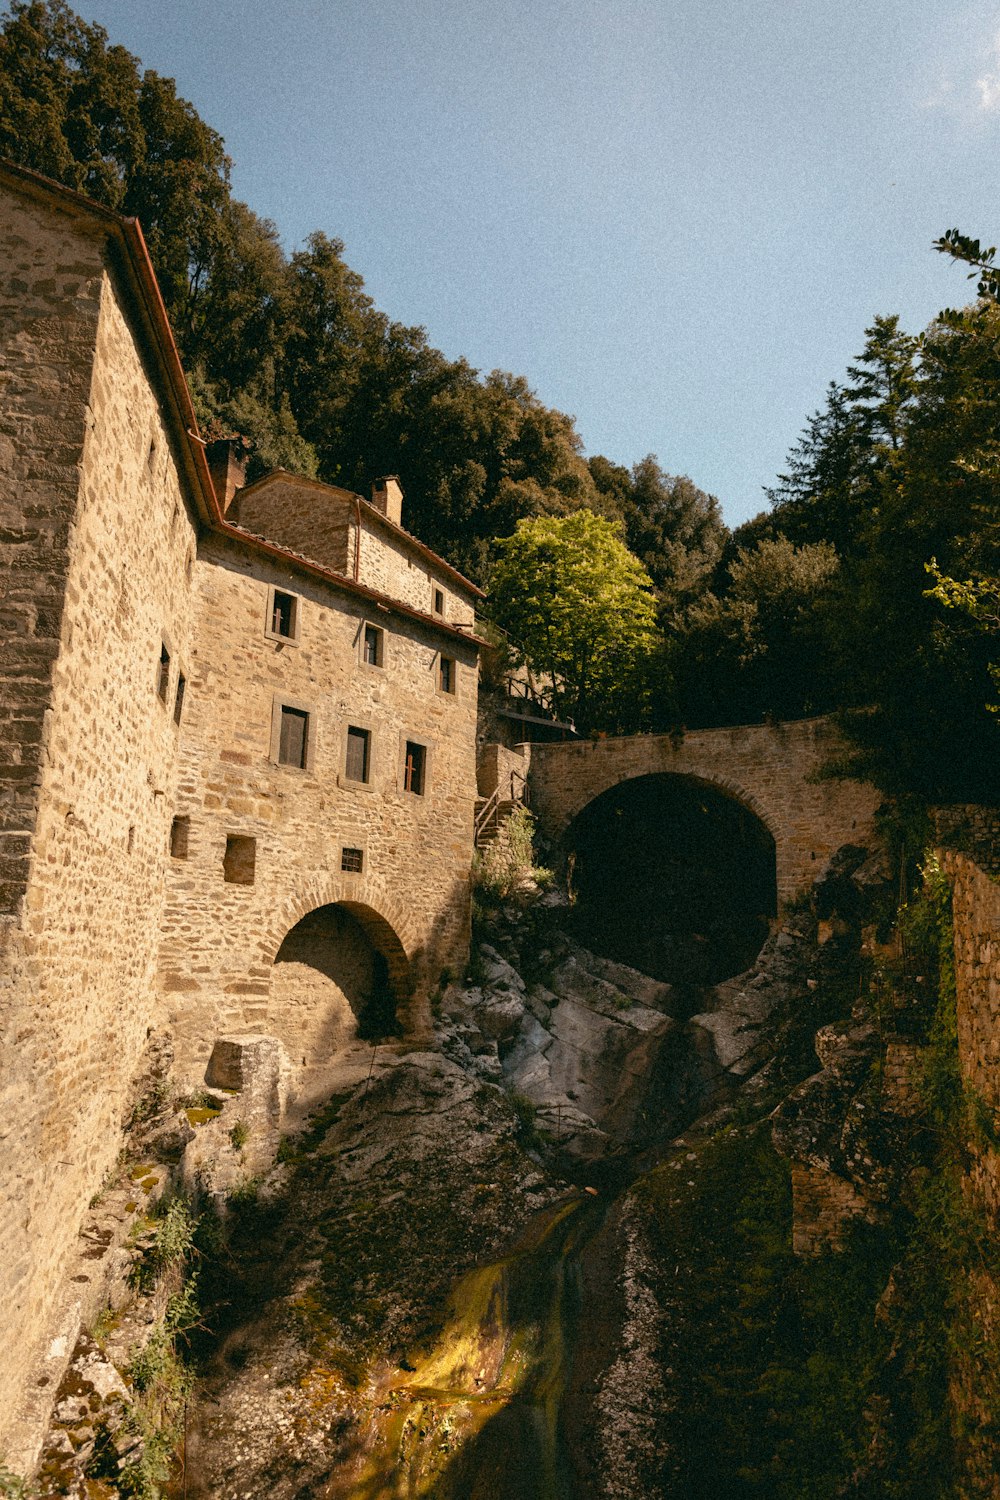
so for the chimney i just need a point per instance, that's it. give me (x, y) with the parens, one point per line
(227, 463)
(387, 496)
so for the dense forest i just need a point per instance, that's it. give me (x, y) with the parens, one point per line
(866, 588)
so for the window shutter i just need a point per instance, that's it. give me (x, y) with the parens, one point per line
(292, 746)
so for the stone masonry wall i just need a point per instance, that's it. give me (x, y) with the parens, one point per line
(769, 768)
(312, 519)
(390, 564)
(499, 766)
(319, 521)
(50, 290)
(324, 976)
(220, 939)
(79, 997)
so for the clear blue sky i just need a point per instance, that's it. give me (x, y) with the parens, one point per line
(675, 217)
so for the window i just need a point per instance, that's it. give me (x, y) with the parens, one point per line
(358, 753)
(180, 828)
(240, 863)
(283, 614)
(293, 737)
(163, 680)
(352, 861)
(414, 768)
(293, 734)
(371, 646)
(282, 623)
(438, 602)
(446, 674)
(179, 698)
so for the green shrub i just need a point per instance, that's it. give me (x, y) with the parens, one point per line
(502, 866)
(12, 1486)
(168, 1240)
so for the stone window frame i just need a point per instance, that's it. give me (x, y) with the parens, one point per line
(409, 736)
(270, 634)
(439, 658)
(439, 601)
(278, 702)
(364, 626)
(348, 782)
(361, 845)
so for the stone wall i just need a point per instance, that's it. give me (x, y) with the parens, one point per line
(50, 292)
(498, 764)
(79, 986)
(971, 829)
(325, 976)
(220, 938)
(316, 520)
(320, 521)
(772, 769)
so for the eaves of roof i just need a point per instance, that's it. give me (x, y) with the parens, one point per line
(344, 581)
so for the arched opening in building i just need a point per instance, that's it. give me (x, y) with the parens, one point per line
(337, 978)
(673, 877)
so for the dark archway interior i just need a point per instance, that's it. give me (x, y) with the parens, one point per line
(332, 946)
(672, 877)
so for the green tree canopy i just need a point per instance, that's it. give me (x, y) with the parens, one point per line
(759, 647)
(579, 607)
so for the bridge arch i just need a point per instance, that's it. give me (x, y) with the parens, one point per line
(774, 770)
(673, 874)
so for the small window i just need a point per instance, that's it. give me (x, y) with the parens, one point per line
(358, 753)
(438, 602)
(352, 861)
(293, 734)
(283, 614)
(446, 674)
(179, 697)
(240, 863)
(163, 680)
(180, 829)
(371, 646)
(414, 766)
(293, 738)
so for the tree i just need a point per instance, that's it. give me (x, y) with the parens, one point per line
(579, 607)
(675, 529)
(760, 647)
(849, 455)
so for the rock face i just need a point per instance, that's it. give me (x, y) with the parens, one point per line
(347, 1264)
(583, 1048)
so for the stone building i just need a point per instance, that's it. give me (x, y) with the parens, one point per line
(238, 724)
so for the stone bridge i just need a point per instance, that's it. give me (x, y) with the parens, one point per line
(771, 769)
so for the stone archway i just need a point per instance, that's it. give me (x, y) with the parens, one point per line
(673, 875)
